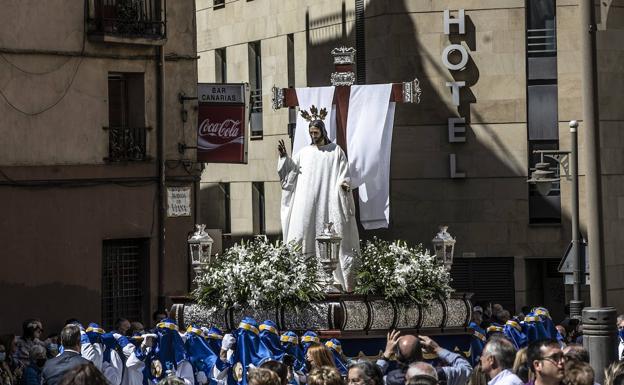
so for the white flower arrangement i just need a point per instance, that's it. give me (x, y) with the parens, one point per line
(260, 274)
(401, 274)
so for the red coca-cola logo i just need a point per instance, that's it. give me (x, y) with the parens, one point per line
(229, 128)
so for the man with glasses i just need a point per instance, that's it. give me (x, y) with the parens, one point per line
(547, 361)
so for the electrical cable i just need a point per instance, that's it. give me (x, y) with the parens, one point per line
(32, 72)
(71, 81)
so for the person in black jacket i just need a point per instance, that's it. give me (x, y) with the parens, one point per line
(55, 368)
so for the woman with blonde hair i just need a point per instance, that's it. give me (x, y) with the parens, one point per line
(318, 355)
(521, 367)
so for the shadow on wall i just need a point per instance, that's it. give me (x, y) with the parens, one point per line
(65, 304)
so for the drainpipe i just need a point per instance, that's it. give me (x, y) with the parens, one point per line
(160, 134)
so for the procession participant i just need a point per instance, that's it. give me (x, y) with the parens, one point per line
(549, 325)
(335, 347)
(137, 372)
(513, 332)
(246, 354)
(112, 362)
(316, 190)
(214, 337)
(92, 351)
(290, 343)
(201, 356)
(307, 339)
(494, 329)
(171, 352)
(477, 341)
(533, 328)
(270, 346)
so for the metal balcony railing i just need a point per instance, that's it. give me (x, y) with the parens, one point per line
(126, 144)
(541, 42)
(256, 100)
(127, 18)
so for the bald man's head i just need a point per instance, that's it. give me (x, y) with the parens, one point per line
(409, 349)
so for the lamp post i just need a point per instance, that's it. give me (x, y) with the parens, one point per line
(444, 247)
(200, 248)
(598, 321)
(543, 178)
(329, 248)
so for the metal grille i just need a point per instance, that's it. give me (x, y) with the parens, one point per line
(126, 144)
(122, 279)
(360, 42)
(490, 279)
(132, 18)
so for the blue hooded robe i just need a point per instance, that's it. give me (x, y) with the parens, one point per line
(336, 348)
(270, 346)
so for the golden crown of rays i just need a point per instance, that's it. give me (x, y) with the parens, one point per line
(314, 114)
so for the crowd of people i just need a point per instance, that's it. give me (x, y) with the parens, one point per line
(524, 349)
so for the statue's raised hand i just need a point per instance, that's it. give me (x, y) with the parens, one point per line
(281, 148)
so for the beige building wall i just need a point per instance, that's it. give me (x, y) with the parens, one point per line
(488, 211)
(60, 198)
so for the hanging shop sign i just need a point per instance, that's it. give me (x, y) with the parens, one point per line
(222, 112)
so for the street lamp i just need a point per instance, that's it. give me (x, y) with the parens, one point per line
(329, 248)
(543, 178)
(444, 247)
(200, 248)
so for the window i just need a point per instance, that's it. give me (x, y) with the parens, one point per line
(126, 118)
(220, 66)
(132, 19)
(292, 111)
(257, 197)
(542, 104)
(218, 4)
(215, 207)
(255, 83)
(124, 279)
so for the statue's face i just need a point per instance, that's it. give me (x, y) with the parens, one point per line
(317, 135)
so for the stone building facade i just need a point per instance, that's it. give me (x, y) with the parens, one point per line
(522, 85)
(79, 165)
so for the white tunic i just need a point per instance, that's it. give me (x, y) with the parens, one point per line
(311, 196)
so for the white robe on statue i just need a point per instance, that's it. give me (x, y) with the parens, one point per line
(311, 196)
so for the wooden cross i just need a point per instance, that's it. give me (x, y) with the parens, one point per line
(342, 79)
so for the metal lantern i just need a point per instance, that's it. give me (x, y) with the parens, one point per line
(200, 247)
(444, 247)
(329, 248)
(543, 178)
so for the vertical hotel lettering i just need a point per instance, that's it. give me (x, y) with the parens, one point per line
(455, 125)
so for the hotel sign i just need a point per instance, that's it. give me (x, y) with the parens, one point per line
(456, 125)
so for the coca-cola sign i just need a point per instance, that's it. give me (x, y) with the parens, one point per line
(221, 133)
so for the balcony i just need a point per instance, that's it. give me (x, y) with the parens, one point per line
(126, 144)
(127, 21)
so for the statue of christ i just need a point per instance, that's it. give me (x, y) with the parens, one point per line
(316, 190)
